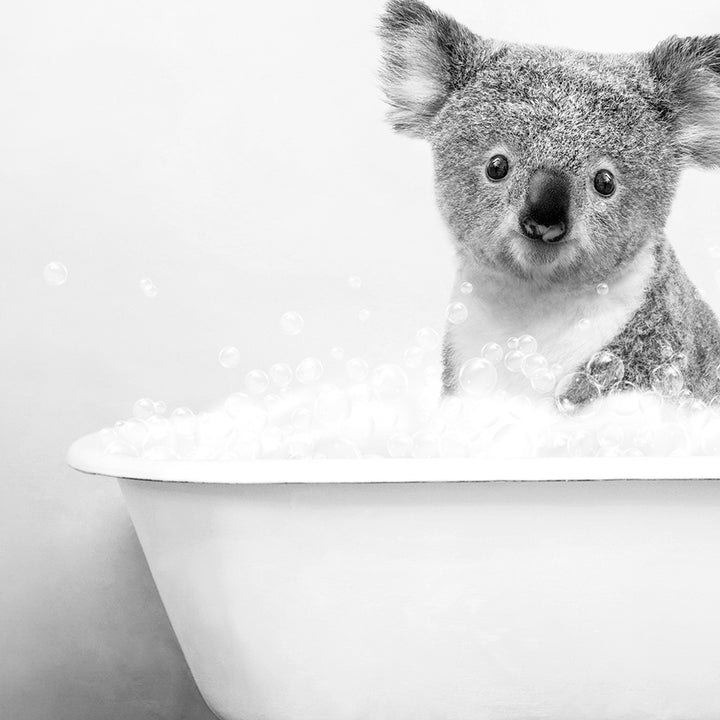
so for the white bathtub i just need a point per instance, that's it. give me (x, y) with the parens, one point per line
(432, 590)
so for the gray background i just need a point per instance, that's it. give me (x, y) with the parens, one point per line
(235, 154)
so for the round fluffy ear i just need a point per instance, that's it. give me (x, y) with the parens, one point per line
(688, 73)
(426, 56)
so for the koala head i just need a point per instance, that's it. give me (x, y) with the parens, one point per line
(551, 165)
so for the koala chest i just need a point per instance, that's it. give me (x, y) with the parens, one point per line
(568, 325)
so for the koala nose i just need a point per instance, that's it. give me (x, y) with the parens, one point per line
(546, 208)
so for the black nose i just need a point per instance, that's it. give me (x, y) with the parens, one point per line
(546, 208)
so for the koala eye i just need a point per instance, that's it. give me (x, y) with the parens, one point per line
(604, 182)
(497, 168)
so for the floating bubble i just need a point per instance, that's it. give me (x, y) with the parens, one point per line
(602, 288)
(143, 409)
(715, 404)
(272, 402)
(413, 356)
(148, 287)
(160, 407)
(543, 380)
(514, 360)
(532, 363)
(527, 344)
(667, 380)
(364, 315)
(574, 394)
(492, 352)
(354, 282)
(229, 357)
(513, 343)
(337, 352)
(466, 288)
(332, 405)
(356, 369)
(456, 313)
(309, 371)
(291, 323)
(257, 382)
(583, 324)
(281, 374)
(605, 368)
(427, 338)
(389, 382)
(478, 377)
(55, 274)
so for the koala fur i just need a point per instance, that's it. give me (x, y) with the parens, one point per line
(563, 115)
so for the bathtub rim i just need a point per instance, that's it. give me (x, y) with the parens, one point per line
(88, 456)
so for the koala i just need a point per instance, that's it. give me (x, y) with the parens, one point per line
(555, 171)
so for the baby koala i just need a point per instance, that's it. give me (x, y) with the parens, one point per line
(555, 171)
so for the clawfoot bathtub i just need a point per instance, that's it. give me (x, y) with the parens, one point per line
(436, 589)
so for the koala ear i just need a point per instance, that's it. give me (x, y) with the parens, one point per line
(426, 56)
(688, 71)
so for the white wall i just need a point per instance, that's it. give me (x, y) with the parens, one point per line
(236, 154)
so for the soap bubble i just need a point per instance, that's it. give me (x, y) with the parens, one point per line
(134, 431)
(427, 338)
(183, 420)
(715, 404)
(257, 382)
(667, 380)
(121, 447)
(466, 288)
(543, 380)
(245, 412)
(148, 288)
(602, 288)
(514, 360)
(478, 377)
(309, 371)
(650, 401)
(527, 344)
(354, 282)
(337, 352)
(610, 435)
(291, 323)
(456, 313)
(143, 409)
(413, 356)
(229, 357)
(301, 418)
(246, 445)
(574, 394)
(332, 405)
(364, 315)
(605, 368)
(425, 444)
(624, 398)
(492, 352)
(300, 446)
(389, 382)
(532, 363)
(160, 407)
(582, 443)
(55, 274)
(513, 343)
(583, 324)
(281, 374)
(340, 448)
(520, 406)
(356, 369)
